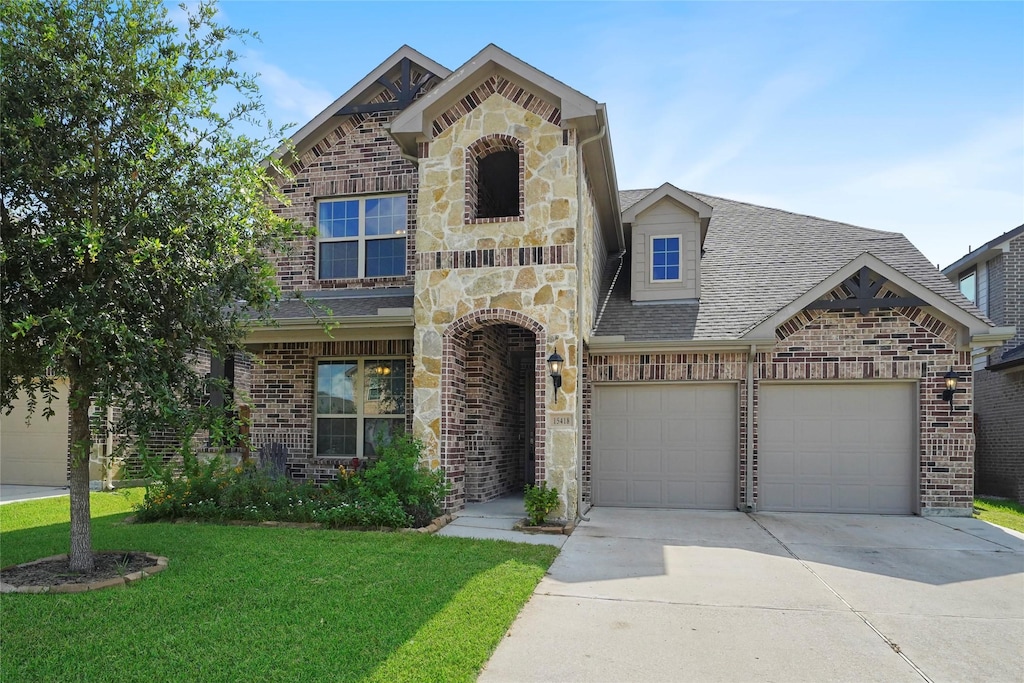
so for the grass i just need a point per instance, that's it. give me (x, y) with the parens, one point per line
(270, 604)
(1000, 511)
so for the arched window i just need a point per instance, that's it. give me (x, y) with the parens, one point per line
(494, 179)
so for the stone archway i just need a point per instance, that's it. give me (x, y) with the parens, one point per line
(479, 351)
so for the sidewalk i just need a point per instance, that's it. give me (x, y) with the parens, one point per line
(494, 520)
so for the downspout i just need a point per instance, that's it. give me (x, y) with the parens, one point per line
(579, 320)
(748, 505)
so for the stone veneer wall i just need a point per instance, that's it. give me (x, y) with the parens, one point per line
(826, 346)
(494, 417)
(519, 271)
(283, 390)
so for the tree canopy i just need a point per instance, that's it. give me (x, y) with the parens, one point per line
(133, 208)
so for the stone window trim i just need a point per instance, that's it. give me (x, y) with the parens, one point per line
(673, 246)
(484, 146)
(361, 239)
(360, 416)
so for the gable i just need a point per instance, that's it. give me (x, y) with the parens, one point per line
(392, 86)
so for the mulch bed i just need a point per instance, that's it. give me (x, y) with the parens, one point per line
(54, 575)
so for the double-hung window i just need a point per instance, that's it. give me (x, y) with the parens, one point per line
(665, 259)
(360, 403)
(362, 237)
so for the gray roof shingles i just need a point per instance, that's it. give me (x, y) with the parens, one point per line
(756, 261)
(342, 303)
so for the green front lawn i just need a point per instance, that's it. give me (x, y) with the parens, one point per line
(251, 603)
(1000, 511)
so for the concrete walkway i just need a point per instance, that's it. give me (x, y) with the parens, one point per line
(494, 521)
(658, 595)
(11, 493)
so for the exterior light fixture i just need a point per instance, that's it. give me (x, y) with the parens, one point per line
(555, 367)
(951, 381)
(382, 369)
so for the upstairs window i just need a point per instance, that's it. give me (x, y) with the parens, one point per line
(362, 237)
(498, 185)
(665, 259)
(494, 179)
(969, 285)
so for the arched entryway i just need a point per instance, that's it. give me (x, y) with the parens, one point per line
(493, 388)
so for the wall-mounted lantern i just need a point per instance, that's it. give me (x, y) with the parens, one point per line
(555, 367)
(951, 381)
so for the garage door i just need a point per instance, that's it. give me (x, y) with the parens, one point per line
(665, 446)
(837, 448)
(37, 453)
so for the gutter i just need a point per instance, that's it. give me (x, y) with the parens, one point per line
(579, 320)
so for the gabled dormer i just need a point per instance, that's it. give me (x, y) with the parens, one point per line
(668, 230)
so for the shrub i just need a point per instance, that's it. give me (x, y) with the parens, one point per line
(394, 491)
(540, 501)
(399, 471)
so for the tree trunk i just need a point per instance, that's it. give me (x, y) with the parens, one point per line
(81, 438)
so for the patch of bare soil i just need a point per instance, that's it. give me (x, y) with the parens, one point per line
(56, 571)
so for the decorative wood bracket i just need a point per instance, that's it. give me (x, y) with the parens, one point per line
(404, 90)
(865, 295)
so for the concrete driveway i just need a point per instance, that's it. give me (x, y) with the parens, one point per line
(676, 595)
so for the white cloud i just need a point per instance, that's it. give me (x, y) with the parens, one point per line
(288, 96)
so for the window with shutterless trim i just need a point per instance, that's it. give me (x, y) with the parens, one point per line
(665, 258)
(969, 284)
(360, 403)
(361, 237)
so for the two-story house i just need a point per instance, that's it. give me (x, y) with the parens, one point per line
(470, 235)
(992, 276)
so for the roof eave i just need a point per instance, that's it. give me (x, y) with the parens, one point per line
(619, 344)
(984, 253)
(969, 322)
(312, 130)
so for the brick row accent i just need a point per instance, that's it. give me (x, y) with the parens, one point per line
(497, 258)
(507, 89)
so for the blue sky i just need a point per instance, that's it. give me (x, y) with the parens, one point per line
(897, 116)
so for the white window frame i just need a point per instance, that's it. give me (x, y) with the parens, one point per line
(650, 251)
(362, 238)
(359, 416)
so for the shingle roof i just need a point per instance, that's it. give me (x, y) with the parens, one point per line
(342, 303)
(756, 261)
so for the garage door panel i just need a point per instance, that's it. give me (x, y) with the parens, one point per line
(856, 456)
(612, 433)
(647, 493)
(645, 462)
(615, 491)
(682, 463)
(681, 494)
(680, 450)
(36, 453)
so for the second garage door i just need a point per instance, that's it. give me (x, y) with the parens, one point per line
(837, 447)
(665, 445)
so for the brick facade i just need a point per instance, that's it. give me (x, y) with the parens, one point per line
(999, 395)
(284, 391)
(817, 346)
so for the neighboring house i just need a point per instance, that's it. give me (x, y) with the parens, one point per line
(716, 354)
(992, 276)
